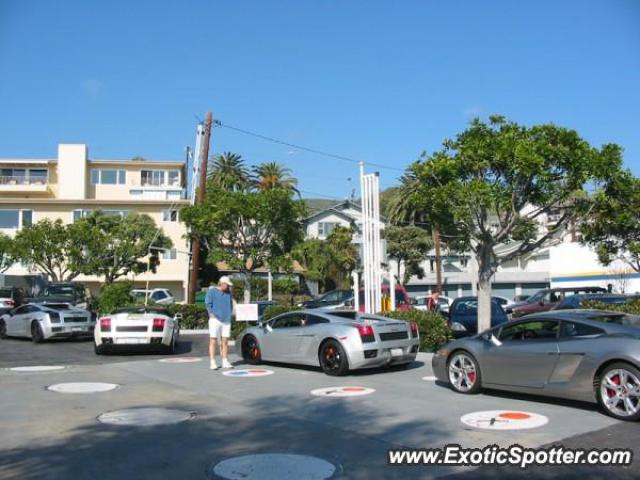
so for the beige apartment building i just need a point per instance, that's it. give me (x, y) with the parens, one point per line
(71, 185)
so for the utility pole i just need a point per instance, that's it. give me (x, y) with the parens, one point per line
(195, 243)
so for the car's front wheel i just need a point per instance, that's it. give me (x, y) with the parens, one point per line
(251, 350)
(464, 373)
(36, 333)
(619, 391)
(333, 358)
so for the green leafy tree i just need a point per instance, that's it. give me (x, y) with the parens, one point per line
(116, 246)
(408, 246)
(273, 175)
(247, 229)
(228, 171)
(53, 248)
(7, 252)
(613, 223)
(490, 186)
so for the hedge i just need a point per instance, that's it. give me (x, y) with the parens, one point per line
(434, 331)
(632, 308)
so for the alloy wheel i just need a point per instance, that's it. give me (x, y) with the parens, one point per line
(462, 372)
(620, 392)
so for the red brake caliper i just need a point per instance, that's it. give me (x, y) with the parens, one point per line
(472, 376)
(615, 380)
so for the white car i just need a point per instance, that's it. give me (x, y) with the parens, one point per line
(135, 327)
(443, 303)
(160, 296)
(42, 322)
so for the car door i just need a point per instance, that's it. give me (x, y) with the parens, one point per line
(12, 320)
(527, 356)
(310, 334)
(280, 341)
(576, 339)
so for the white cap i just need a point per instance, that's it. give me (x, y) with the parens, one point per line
(225, 279)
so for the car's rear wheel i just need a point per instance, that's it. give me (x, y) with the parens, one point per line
(464, 373)
(172, 348)
(619, 391)
(36, 333)
(3, 329)
(99, 350)
(333, 359)
(251, 350)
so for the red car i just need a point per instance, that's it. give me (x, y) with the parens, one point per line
(402, 299)
(547, 299)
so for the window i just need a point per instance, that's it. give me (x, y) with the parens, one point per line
(169, 254)
(27, 218)
(330, 297)
(325, 228)
(103, 176)
(174, 178)
(170, 215)
(575, 329)
(9, 218)
(288, 321)
(158, 295)
(153, 178)
(78, 214)
(532, 330)
(314, 320)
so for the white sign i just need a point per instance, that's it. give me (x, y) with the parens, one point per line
(504, 420)
(247, 312)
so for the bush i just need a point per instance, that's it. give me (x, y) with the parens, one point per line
(434, 331)
(114, 295)
(632, 308)
(275, 310)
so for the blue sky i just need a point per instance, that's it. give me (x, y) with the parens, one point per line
(374, 80)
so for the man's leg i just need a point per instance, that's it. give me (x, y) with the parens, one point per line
(224, 349)
(213, 342)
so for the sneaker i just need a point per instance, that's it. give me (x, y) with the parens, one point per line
(226, 364)
(213, 365)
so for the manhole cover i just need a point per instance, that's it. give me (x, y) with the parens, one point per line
(248, 372)
(504, 420)
(82, 387)
(342, 391)
(430, 378)
(38, 368)
(274, 466)
(145, 416)
(180, 360)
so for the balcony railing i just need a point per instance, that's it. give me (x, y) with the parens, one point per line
(23, 180)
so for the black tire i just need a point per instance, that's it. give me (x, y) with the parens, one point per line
(251, 350)
(3, 329)
(36, 333)
(173, 346)
(469, 379)
(99, 350)
(616, 393)
(333, 359)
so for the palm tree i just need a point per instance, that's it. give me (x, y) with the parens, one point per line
(273, 175)
(229, 172)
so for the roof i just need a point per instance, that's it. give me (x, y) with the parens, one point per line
(140, 163)
(335, 209)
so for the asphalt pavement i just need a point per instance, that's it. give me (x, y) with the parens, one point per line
(49, 435)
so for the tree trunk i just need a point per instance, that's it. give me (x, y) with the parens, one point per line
(436, 245)
(485, 272)
(247, 287)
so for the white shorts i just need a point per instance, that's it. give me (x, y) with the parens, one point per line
(219, 329)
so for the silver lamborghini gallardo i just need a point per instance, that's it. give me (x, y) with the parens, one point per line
(337, 341)
(586, 355)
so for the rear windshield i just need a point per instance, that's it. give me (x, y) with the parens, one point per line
(6, 293)
(141, 310)
(347, 315)
(65, 290)
(470, 307)
(58, 306)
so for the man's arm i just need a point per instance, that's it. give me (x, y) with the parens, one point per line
(208, 301)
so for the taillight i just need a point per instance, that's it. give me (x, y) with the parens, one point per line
(366, 333)
(105, 324)
(414, 329)
(158, 324)
(11, 303)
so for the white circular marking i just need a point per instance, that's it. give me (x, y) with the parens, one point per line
(38, 368)
(180, 360)
(342, 391)
(145, 417)
(430, 378)
(82, 387)
(274, 466)
(248, 372)
(504, 420)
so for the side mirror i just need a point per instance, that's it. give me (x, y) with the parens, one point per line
(490, 337)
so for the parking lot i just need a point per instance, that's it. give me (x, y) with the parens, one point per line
(49, 435)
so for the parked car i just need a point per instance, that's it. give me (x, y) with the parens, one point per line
(161, 296)
(333, 298)
(463, 316)
(42, 322)
(11, 297)
(546, 299)
(584, 355)
(72, 293)
(504, 302)
(136, 326)
(573, 302)
(422, 303)
(338, 341)
(521, 298)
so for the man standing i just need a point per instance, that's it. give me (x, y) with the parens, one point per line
(219, 303)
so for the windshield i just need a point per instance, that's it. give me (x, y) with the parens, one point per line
(65, 290)
(5, 293)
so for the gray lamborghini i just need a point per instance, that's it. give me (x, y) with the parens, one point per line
(586, 355)
(336, 340)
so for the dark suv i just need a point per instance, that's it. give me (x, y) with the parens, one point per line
(547, 299)
(63, 292)
(334, 298)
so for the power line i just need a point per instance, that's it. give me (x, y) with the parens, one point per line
(344, 158)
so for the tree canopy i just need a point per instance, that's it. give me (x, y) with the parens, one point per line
(408, 246)
(7, 252)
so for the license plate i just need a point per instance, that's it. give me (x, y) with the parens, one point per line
(396, 352)
(130, 341)
(76, 329)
